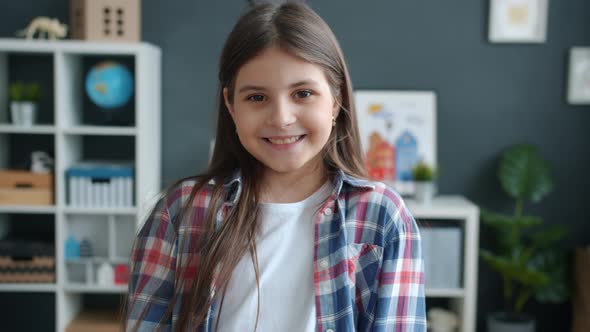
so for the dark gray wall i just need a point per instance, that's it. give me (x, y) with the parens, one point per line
(490, 96)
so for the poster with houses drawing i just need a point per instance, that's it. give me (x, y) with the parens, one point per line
(397, 129)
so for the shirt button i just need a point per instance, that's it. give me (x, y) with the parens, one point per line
(329, 330)
(328, 212)
(324, 264)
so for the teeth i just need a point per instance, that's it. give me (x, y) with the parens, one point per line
(285, 140)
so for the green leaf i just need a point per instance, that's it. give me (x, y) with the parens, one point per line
(553, 262)
(524, 174)
(549, 236)
(498, 220)
(513, 269)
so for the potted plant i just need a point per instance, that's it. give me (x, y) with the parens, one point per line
(525, 257)
(23, 102)
(424, 185)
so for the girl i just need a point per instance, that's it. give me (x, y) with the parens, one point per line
(283, 231)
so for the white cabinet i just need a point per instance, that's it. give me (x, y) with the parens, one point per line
(66, 131)
(460, 212)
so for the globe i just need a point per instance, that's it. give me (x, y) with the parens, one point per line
(109, 84)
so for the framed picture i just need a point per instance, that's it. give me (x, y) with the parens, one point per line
(518, 21)
(578, 89)
(397, 129)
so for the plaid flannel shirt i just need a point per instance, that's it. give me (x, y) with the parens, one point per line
(368, 265)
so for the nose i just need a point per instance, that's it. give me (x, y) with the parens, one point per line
(281, 114)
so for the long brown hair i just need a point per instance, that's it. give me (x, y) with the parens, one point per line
(298, 30)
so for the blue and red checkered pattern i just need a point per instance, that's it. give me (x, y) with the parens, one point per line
(368, 265)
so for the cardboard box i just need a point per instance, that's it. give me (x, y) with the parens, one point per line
(106, 20)
(25, 188)
(95, 321)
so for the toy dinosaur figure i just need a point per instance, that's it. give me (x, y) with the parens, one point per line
(52, 28)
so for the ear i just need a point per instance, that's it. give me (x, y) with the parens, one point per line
(228, 105)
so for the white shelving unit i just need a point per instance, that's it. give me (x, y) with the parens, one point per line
(113, 229)
(463, 300)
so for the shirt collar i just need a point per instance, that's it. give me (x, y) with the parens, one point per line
(341, 182)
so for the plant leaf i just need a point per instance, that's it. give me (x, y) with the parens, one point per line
(554, 264)
(498, 220)
(524, 174)
(549, 236)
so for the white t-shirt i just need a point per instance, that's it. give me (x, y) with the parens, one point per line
(285, 257)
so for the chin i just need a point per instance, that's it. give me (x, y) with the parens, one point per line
(283, 167)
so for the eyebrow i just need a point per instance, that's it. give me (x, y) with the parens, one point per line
(294, 85)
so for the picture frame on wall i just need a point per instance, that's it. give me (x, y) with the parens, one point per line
(518, 21)
(397, 130)
(578, 88)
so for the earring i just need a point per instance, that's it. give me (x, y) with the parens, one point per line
(333, 121)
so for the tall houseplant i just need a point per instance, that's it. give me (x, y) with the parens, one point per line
(23, 102)
(524, 257)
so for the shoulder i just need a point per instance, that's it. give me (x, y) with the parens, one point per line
(169, 204)
(381, 205)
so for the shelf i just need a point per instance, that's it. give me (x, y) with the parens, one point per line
(27, 209)
(85, 288)
(445, 292)
(116, 260)
(43, 46)
(37, 129)
(443, 207)
(129, 211)
(27, 287)
(100, 131)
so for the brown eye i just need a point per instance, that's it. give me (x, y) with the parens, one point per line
(303, 94)
(256, 98)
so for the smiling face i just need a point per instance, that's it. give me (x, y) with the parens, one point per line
(282, 108)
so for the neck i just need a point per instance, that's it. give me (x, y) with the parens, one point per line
(293, 186)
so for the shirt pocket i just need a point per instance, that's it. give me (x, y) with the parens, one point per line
(364, 262)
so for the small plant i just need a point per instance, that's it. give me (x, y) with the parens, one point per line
(423, 172)
(22, 92)
(526, 255)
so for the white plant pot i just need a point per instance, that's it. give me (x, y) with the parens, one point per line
(24, 113)
(424, 191)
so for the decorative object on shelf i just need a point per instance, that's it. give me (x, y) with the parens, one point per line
(19, 187)
(578, 88)
(441, 248)
(109, 85)
(518, 21)
(581, 293)
(41, 162)
(72, 251)
(441, 320)
(50, 27)
(106, 20)
(86, 249)
(24, 99)
(397, 129)
(121, 274)
(527, 256)
(424, 182)
(26, 261)
(101, 184)
(104, 275)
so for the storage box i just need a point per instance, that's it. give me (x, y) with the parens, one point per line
(95, 321)
(109, 20)
(36, 269)
(100, 184)
(26, 261)
(25, 188)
